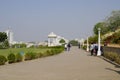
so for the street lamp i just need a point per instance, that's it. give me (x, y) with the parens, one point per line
(87, 44)
(99, 51)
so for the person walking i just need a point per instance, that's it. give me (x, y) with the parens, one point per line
(79, 45)
(91, 48)
(95, 49)
(68, 46)
(65, 46)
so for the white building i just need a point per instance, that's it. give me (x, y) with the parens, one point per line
(54, 40)
(10, 36)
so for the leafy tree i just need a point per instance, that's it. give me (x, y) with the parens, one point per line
(74, 42)
(62, 41)
(6, 44)
(3, 40)
(3, 36)
(113, 20)
(19, 45)
(93, 39)
(102, 26)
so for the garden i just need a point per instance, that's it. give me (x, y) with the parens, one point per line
(13, 55)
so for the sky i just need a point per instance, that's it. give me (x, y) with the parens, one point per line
(33, 20)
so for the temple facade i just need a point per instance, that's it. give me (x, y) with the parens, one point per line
(54, 40)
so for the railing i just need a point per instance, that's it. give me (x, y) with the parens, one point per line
(111, 49)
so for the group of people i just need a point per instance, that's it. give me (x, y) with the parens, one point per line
(94, 49)
(67, 46)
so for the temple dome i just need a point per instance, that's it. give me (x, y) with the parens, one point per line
(52, 35)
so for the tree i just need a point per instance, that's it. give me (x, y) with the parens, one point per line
(74, 42)
(6, 44)
(19, 45)
(93, 39)
(102, 26)
(3, 36)
(113, 20)
(3, 40)
(62, 41)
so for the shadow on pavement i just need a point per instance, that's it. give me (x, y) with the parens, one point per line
(113, 70)
(111, 62)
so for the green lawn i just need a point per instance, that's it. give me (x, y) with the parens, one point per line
(5, 52)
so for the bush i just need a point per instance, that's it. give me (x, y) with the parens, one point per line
(45, 54)
(37, 55)
(11, 58)
(118, 59)
(19, 57)
(40, 55)
(30, 56)
(49, 53)
(113, 56)
(27, 56)
(84, 47)
(2, 60)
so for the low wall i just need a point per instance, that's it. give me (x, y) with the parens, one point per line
(111, 49)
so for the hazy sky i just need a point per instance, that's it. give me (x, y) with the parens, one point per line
(33, 20)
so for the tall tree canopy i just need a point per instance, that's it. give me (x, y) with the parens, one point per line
(62, 41)
(74, 42)
(101, 25)
(3, 36)
(113, 20)
(111, 23)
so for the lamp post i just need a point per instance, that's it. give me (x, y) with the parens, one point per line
(87, 45)
(99, 51)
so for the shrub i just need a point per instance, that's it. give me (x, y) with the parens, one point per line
(2, 60)
(84, 47)
(19, 57)
(113, 56)
(39, 55)
(49, 53)
(27, 56)
(117, 59)
(45, 54)
(53, 51)
(11, 58)
(33, 55)
(30, 56)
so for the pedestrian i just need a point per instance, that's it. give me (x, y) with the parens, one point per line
(91, 48)
(79, 45)
(65, 46)
(68, 46)
(95, 49)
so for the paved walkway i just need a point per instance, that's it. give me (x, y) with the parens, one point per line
(74, 65)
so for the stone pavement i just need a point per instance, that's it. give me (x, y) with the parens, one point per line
(73, 65)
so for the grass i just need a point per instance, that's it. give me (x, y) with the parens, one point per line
(5, 52)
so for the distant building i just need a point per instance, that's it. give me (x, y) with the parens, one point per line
(54, 40)
(10, 36)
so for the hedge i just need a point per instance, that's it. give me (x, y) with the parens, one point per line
(2, 60)
(11, 58)
(112, 56)
(19, 57)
